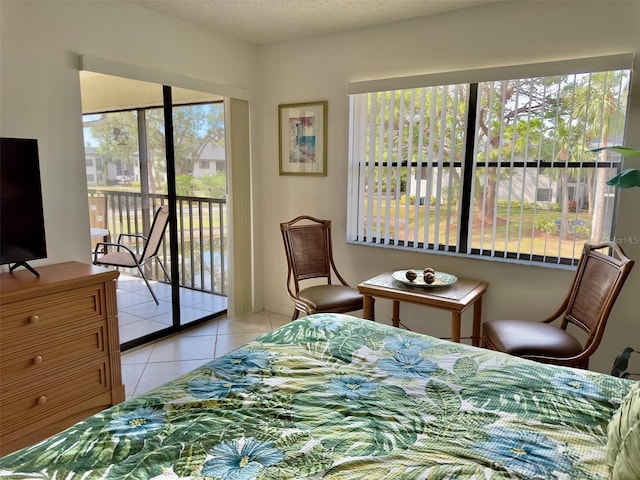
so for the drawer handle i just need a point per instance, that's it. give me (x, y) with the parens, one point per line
(41, 400)
(37, 360)
(34, 319)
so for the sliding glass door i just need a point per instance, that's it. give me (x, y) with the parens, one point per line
(146, 146)
(200, 168)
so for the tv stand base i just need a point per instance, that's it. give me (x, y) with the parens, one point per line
(25, 265)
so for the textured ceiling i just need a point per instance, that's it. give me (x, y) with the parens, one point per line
(268, 21)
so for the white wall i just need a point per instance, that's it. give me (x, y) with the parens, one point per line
(40, 91)
(501, 34)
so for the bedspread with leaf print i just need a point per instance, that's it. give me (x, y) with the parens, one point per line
(335, 397)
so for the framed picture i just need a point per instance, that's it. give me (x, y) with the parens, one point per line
(303, 138)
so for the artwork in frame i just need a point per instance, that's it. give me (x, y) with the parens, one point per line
(303, 138)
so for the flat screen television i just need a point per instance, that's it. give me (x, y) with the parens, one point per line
(22, 236)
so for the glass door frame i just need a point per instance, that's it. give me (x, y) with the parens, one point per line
(146, 206)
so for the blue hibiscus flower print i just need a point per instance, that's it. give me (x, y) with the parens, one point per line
(408, 365)
(351, 387)
(576, 385)
(323, 323)
(137, 423)
(240, 460)
(220, 388)
(532, 455)
(239, 362)
(405, 344)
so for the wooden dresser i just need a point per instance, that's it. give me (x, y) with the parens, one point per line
(59, 350)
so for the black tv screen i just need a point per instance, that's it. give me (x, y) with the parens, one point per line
(22, 236)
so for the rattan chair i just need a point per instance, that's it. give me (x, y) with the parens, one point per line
(307, 243)
(598, 280)
(124, 256)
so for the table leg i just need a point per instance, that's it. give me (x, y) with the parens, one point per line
(456, 320)
(367, 307)
(477, 320)
(395, 319)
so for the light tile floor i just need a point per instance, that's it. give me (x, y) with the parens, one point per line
(153, 364)
(139, 315)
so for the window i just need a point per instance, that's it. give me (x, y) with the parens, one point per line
(543, 194)
(495, 168)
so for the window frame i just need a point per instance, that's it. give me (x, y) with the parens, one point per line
(469, 164)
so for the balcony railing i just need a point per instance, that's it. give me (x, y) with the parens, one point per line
(202, 234)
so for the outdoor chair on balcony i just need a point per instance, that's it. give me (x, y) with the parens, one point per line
(125, 257)
(307, 243)
(598, 280)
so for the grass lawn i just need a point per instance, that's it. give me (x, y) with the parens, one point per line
(514, 230)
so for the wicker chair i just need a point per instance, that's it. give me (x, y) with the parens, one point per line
(307, 243)
(598, 280)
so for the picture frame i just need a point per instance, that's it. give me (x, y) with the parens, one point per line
(302, 130)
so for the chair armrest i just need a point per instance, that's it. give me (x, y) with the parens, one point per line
(135, 235)
(101, 247)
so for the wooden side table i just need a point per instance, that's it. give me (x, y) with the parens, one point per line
(455, 298)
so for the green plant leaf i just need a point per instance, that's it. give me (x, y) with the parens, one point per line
(626, 179)
(620, 149)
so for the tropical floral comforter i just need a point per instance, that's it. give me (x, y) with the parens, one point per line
(336, 397)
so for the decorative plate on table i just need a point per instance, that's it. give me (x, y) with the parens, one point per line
(442, 279)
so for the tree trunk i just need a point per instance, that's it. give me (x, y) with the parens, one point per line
(490, 197)
(564, 216)
(590, 180)
(597, 219)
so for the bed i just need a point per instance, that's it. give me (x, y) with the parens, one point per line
(336, 397)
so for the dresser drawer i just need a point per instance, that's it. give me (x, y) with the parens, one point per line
(21, 363)
(61, 393)
(59, 350)
(38, 317)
